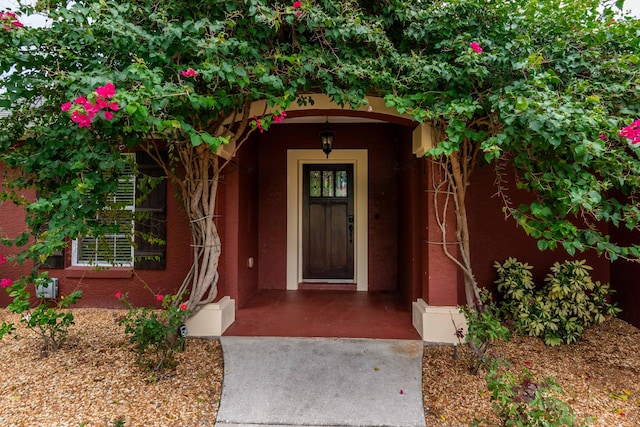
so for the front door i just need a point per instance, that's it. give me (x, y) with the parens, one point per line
(328, 222)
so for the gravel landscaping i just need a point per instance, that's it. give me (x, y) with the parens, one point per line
(93, 379)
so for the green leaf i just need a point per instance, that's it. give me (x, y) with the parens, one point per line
(195, 139)
(522, 104)
(536, 125)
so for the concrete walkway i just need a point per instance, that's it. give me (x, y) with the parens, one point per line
(321, 382)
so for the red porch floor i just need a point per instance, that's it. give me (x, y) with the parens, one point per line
(307, 313)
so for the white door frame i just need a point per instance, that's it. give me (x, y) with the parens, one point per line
(295, 160)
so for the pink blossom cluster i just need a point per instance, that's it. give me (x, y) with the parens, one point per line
(632, 132)
(476, 47)
(279, 117)
(86, 111)
(4, 283)
(297, 5)
(258, 123)
(10, 20)
(189, 73)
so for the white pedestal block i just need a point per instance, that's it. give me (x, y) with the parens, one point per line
(436, 323)
(213, 319)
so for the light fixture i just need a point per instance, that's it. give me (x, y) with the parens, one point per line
(326, 136)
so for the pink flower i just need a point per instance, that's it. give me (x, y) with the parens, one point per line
(106, 91)
(81, 100)
(9, 19)
(92, 110)
(258, 124)
(190, 73)
(632, 132)
(66, 106)
(83, 120)
(101, 103)
(118, 295)
(108, 115)
(279, 117)
(297, 4)
(114, 106)
(527, 363)
(5, 283)
(401, 391)
(476, 47)
(603, 136)
(2, 259)
(159, 297)
(183, 307)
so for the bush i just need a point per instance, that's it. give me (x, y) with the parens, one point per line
(515, 284)
(156, 334)
(522, 400)
(45, 318)
(483, 328)
(559, 313)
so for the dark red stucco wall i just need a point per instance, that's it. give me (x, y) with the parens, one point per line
(99, 287)
(240, 183)
(625, 278)
(495, 238)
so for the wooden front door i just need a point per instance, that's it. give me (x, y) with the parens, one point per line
(328, 222)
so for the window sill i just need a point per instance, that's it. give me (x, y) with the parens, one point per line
(102, 273)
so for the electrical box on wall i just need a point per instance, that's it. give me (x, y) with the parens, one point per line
(47, 288)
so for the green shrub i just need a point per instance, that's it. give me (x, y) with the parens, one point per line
(559, 313)
(483, 328)
(46, 318)
(521, 400)
(155, 334)
(515, 284)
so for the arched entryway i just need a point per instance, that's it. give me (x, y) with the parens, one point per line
(264, 213)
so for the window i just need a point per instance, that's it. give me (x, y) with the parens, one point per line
(113, 249)
(144, 215)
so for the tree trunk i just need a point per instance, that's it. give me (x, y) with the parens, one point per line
(199, 191)
(453, 182)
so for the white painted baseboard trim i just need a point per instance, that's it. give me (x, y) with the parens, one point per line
(213, 319)
(436, 323)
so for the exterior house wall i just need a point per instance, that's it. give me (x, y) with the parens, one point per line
(403, 251)
(240, 218)
(625, 279)
(99, 287)
(495, 238)
(410, 222)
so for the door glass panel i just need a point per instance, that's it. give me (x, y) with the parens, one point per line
(314, 184)
(341, 184)
(327, 183)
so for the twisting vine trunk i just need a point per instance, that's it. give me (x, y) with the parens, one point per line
(452, 181)
(199, 191)
(198, 187)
